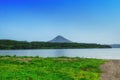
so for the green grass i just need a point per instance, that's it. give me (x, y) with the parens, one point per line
(62, 68)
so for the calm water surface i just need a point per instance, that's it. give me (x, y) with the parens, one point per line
(113, 53)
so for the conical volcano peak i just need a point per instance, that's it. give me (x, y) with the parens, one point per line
(60, 39)
(59, 36)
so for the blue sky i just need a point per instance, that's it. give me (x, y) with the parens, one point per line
(90, 21)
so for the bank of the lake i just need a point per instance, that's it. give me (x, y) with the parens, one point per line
(111, 70)
(56, 68)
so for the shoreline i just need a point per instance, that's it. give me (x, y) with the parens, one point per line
(110, 70)
(107, 59)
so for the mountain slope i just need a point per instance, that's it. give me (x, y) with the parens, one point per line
(60, 39)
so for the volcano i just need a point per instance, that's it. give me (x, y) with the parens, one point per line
(60, 39)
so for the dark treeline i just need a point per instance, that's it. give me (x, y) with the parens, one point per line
(12, 44)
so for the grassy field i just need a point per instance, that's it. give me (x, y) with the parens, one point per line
(62, 68)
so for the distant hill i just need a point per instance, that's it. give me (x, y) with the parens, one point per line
(115, 45)
(60, 39)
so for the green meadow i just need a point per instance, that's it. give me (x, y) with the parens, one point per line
(60, 68)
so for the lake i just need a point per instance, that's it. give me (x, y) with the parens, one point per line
(111, 53)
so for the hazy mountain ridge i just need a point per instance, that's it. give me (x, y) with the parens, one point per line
(115, 45)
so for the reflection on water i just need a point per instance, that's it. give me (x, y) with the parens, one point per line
(60, 52)
(113, 53)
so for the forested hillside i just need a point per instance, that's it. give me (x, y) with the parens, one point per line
(12, 44)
